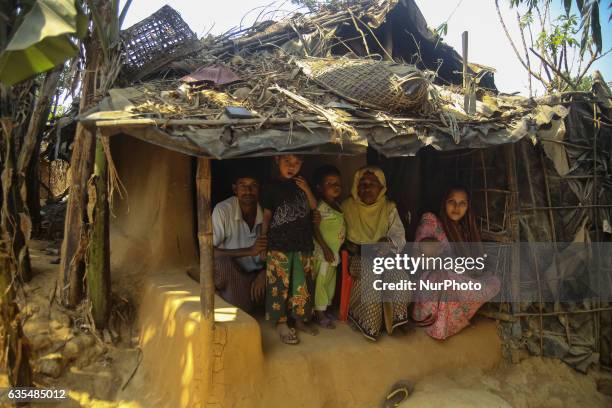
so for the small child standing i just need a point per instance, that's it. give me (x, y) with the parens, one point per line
(329, 237)
(287, 222)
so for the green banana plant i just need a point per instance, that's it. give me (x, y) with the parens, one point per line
(45, 35)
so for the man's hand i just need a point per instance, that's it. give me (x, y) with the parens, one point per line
(260, 246)
(258, 287)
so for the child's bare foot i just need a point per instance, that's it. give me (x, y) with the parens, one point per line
(306, 327)
(287, 334)
(324, 321)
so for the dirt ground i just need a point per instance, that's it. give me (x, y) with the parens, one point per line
(66, 354)
(535, 382)
(94, 369)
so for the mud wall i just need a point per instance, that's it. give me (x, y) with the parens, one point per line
(152, 227)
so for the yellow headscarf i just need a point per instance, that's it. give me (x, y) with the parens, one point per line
(366, 224)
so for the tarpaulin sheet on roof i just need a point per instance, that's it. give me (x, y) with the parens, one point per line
(390, 138)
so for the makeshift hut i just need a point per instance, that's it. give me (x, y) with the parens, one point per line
(369, 83)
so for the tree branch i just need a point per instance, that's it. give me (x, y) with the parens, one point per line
(594, 57)
(518, 18)
(518, 55)
(555, 70)
(124, 11)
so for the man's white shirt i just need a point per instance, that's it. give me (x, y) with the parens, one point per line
(230, 231)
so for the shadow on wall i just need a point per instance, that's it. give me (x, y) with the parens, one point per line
(152, 227)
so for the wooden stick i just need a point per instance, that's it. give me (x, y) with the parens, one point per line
(561, 312)
(513, 227)
(375, 39)
(535, 258)
(203, 183)
(486, 188)
(464, 49)
(506, 317)
(255, 121)
(568, 207)
(365, 42)
(493, 190)
(207, 287)
(335, 121)
(597, 319)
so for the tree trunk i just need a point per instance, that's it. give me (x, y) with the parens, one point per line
(72, 262)
(32, 186)
(27, 163)
(98, 256)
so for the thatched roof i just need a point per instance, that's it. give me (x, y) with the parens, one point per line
(319, 83)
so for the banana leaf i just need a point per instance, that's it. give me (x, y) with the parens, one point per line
(45, 39)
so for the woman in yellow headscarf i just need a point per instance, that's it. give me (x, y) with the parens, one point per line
(372, 219)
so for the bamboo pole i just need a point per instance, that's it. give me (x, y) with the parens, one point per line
(207, 288)
(464, 51)
(469, 98)
(595, 223)
(565, 312)
(565, 207)
(513, 226)
(526, 163)
(486, 189)
(98, 251)
(255, 122)
(506, 317)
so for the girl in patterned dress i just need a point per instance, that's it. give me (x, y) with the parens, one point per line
(287, 223)
(453, 233)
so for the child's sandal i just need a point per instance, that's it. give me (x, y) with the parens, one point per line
(290, 338)
(399, 392)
